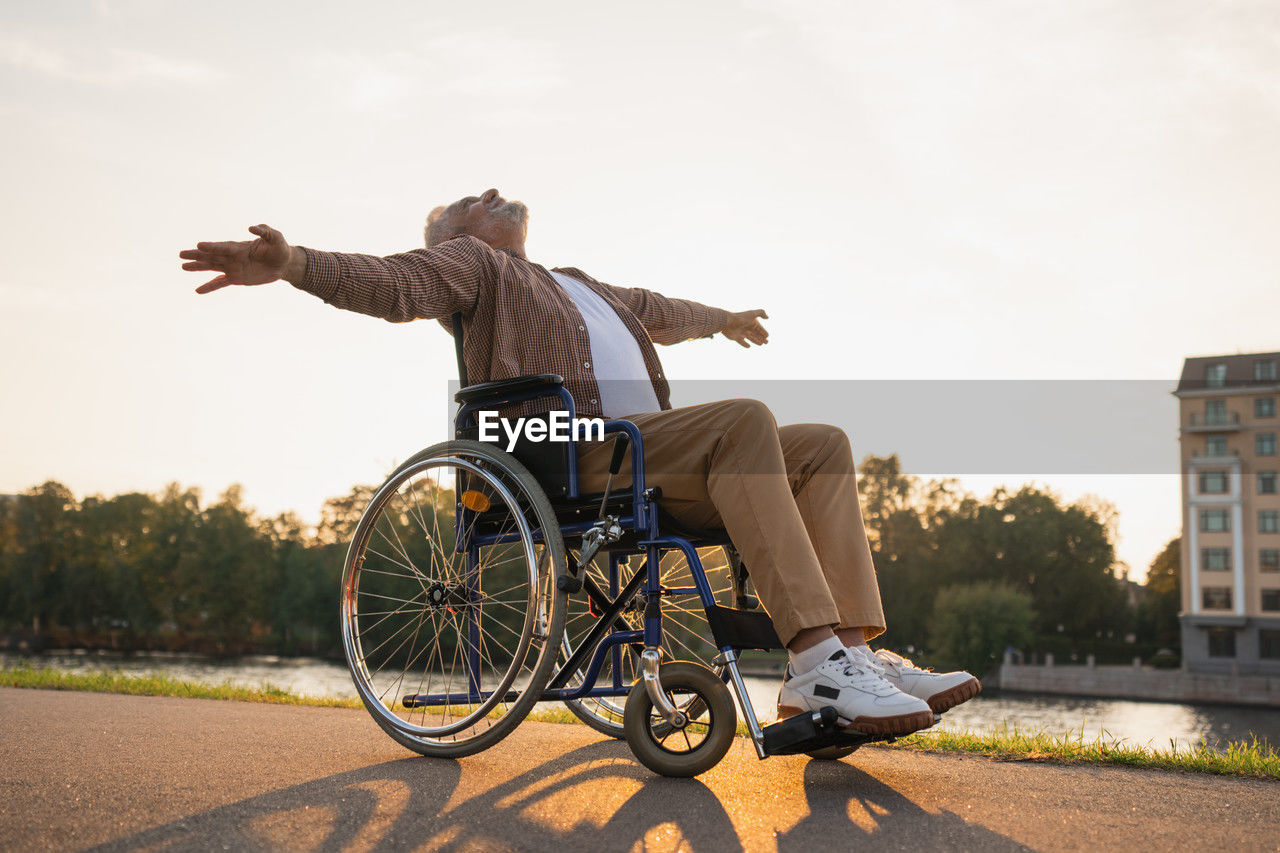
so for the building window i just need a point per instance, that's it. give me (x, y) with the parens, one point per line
(1215, 521)
(1215, 375)
(1215, 559)
(1264, 370)
(1213, 482)
(1269, 644)
(1266, 482)
(1264, 444)
(1215, 411)
(1222, 642)
(1264, 407)
(1269, 560)
(1215, 445)
(1217, 597)
(1271, 600)
(1268, 521)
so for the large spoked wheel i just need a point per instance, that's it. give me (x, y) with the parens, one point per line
(685, 632)
(689, 749)
(451, 620)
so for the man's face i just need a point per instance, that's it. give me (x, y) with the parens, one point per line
(491, 218)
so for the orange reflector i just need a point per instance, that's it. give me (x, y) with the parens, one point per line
(475, 501)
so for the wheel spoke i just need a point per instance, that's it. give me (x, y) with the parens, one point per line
(414, 571)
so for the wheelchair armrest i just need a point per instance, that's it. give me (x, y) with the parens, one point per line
(507, 387)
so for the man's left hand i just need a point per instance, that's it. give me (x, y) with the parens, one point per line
(745, 328)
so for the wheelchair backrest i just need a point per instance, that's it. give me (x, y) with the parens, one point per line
(547, 461)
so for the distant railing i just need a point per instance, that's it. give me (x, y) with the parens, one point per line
(1225, 419)
(1214, 454)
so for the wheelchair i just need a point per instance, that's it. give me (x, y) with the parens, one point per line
(479, 583)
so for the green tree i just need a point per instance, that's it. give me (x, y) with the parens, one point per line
(902, 515)
(1061, 555)
(884, 492)
(1158, 613)
(973, 624)
(39, 553)
(339, 516)
(231, 582)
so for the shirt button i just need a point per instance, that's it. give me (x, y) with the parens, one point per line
(586, 364)
(594, 400)
(582, 328)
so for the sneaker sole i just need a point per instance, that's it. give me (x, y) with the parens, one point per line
(953, 697)
(903, 724)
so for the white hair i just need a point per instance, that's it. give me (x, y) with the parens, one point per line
(438, 227)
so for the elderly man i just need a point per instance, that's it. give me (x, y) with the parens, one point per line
(786, 495)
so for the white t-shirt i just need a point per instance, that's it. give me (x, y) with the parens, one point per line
(616, 361)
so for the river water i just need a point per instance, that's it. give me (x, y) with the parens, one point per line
(1136, 722)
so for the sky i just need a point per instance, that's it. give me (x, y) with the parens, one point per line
(942, 191)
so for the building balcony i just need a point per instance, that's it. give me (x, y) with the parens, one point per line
(1228, 422)
(1215, 456)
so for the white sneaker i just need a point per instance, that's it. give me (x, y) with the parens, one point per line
(860, 694)
(942, 690)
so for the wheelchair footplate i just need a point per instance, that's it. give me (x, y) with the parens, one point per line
(814, 731)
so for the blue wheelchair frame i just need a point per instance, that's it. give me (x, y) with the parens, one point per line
(604, 640)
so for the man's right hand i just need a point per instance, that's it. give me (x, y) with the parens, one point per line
(248, 262)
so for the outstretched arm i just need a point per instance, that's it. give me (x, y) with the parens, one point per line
(421, 284)
(248, 262)
(669, 321)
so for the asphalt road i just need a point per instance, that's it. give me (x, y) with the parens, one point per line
(80, 770)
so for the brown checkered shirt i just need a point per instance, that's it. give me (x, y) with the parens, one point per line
(516, 319)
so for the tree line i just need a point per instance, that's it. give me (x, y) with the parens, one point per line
(961, 578)
(162, 572)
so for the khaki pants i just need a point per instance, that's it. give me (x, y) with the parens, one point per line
(787, 496)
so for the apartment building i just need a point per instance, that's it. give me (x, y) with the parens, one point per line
(1230, 513)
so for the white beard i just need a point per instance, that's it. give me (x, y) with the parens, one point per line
(513, 211)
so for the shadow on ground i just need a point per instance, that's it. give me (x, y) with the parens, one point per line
(594, 797)
(848, 804)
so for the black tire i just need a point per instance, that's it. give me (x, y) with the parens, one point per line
(695, 747)
(410, 589)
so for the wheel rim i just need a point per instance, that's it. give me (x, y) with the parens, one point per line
(682, 741)
(417, 623)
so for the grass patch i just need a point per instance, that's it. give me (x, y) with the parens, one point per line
(158, 685)
(1007, 744)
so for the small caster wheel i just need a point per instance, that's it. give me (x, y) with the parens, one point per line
(705, 737)
(832, 753)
